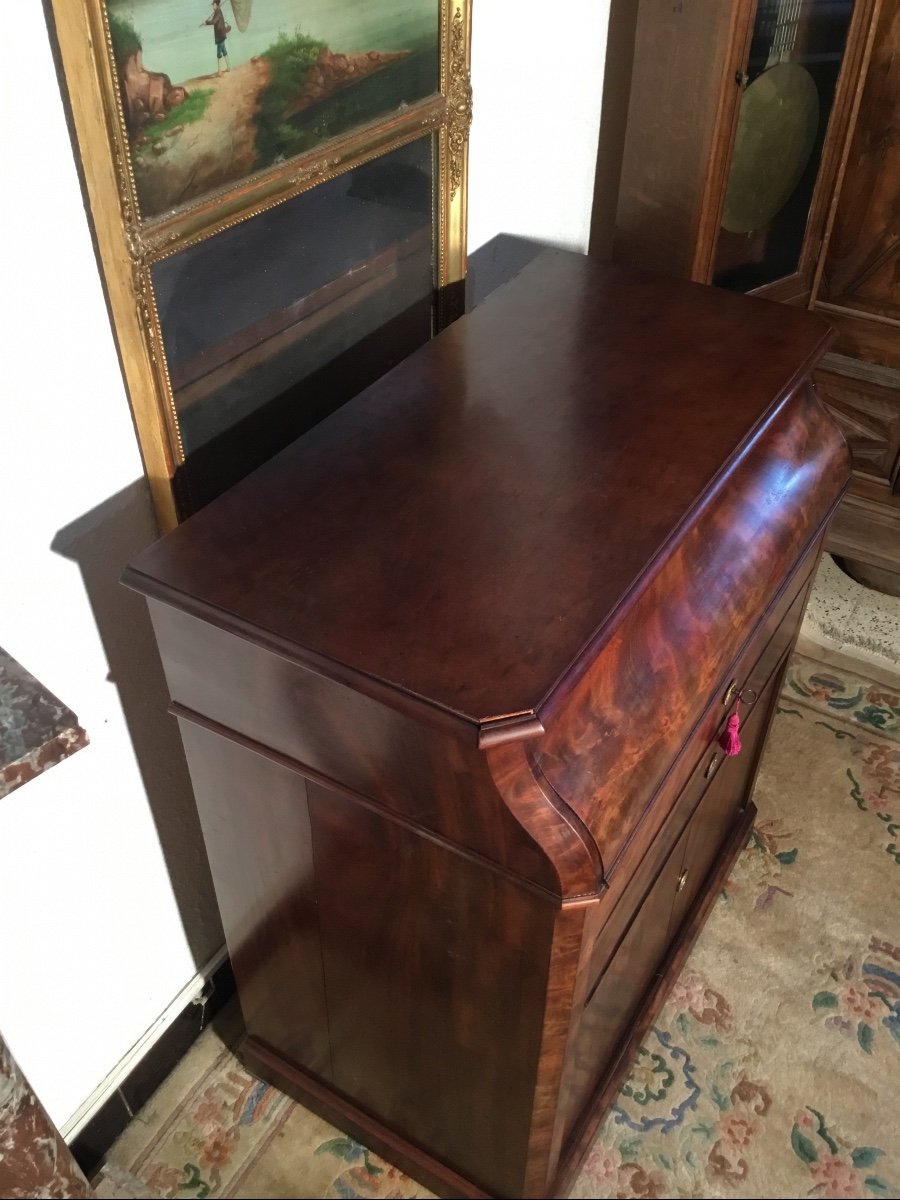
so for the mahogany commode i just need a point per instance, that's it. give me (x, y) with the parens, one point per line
(450, 673)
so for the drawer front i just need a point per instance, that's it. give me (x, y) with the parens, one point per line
(334, 733)
(669, 811)
(614, 731)
(626, 955)
(747, 675)
(715, 771)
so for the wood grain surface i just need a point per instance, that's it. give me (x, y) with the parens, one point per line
(451, 673)
(468, 485)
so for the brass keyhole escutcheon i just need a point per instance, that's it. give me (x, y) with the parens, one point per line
(745, 695)
(711, 766)
(682, 880)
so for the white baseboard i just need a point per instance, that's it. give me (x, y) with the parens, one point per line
(123, 1068)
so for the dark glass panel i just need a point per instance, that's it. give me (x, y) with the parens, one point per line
(792, 73)
(272, 324)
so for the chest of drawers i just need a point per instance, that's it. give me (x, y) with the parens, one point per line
(451, 673)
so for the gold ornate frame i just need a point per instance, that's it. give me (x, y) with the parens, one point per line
(128, 245)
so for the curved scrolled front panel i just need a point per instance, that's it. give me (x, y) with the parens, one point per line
(616, 725)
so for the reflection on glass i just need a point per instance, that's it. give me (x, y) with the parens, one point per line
(792, 73)
(273, 323)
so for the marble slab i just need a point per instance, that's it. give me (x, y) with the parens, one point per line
(34, 1160)
(36, 730)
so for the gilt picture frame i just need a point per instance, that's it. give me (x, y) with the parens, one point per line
(186, 131)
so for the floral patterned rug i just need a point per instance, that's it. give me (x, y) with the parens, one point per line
(773, 1070)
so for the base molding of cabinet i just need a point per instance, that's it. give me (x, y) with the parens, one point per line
(574, 1153)
(346, 1116)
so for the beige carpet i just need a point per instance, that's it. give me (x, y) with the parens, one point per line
(773, 1071)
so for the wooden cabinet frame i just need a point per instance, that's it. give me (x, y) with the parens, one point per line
(674, 170)
(668, 132)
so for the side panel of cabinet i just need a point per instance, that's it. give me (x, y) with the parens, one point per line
(255, 823)
(436, 972)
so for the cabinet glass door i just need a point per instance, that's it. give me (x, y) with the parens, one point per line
(789, 86)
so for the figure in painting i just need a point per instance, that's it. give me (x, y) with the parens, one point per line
(221, 31)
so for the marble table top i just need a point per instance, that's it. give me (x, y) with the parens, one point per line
(36, 730)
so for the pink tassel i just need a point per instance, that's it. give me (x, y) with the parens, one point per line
(730, 739)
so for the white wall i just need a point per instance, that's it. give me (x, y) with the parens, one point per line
(92, 942)
(537, 78)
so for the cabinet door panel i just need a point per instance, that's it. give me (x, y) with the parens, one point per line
(622, 985)
(779, 168)
(255, 822)
(436, 975)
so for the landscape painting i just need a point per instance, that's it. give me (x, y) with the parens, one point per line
(215, 90)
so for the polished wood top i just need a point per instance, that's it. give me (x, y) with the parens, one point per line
(463, 529)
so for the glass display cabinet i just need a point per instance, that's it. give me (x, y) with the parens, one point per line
(761, 153)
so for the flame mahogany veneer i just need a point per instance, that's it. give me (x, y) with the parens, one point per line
(450, 672)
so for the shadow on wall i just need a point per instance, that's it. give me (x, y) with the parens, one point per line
(101, 542)
(497, 262)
